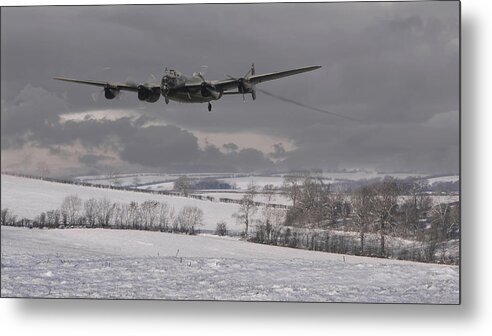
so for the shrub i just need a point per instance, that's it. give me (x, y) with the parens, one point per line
(221, 229)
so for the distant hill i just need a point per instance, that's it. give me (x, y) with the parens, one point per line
(27, 198)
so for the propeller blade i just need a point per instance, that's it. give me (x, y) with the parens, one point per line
(203, 70)
(97, 95)
(129, 81)
(152, 79)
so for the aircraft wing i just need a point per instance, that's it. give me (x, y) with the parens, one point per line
(117, 86)
(276, 75)
(256, 79)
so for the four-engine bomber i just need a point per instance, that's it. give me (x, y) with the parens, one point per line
(193, 89)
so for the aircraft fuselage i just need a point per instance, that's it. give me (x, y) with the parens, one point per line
(178, 87)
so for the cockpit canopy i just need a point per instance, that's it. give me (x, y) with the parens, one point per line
(172, 78)
(172, 73)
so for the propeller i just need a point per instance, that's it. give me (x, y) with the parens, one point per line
(242, 87)
(96, 95)
(208, 89)
(106, 72)
(131, 82)
(108, 91)
(203, 70)
(152, 79)
(251, 71)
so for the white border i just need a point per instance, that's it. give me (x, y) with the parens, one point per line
(473, 317)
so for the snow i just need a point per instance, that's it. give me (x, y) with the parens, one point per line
(243, 182)
(450, 178)
(362, 175)
(158, 186)
(29, 197)
(98, 263)
(275, 199)
(126, 179)
(435, 199)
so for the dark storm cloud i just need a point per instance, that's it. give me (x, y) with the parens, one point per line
(244, 160)
(230, 147)
(155, 145)
(31, 114)
(387, 147)
(34, 119)
(394, 66)
(278, 151)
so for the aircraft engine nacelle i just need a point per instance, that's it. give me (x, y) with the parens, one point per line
(208, 90)
(150, 95)
(244, 86)
(110, 93)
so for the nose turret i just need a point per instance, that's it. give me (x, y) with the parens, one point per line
(168, 82)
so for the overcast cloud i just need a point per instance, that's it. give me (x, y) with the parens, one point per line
(392, 66)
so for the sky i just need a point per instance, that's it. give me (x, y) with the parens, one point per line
(392, 69)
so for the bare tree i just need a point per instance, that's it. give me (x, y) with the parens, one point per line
(363, 204)
(119, 215)
(4, 217)
(70, 208)
(313, 205)
(293, 186)
(277, 220)
(53, 218)
(247, 208)
(455, 221)
(189, 218)
(90, 211)
(149, 213)
(413, 211)
(269, 193)
(165, 216)
(444, 220)
(386, 203)
(183, 185)
(265, 222)
(133, 215)
(104, 212)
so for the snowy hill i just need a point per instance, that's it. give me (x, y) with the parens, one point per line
(29, 197)
(100, 263)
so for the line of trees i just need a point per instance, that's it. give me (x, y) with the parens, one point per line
(389, 218)
(102, 213)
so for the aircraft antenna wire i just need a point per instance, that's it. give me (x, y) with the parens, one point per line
(307, 106)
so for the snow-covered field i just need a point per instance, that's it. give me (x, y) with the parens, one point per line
(242, 182)
(260, 181)
(450, 178)
(29, 197)
(275, 199)
(98, 263)
(158, 186)
(126, 179)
